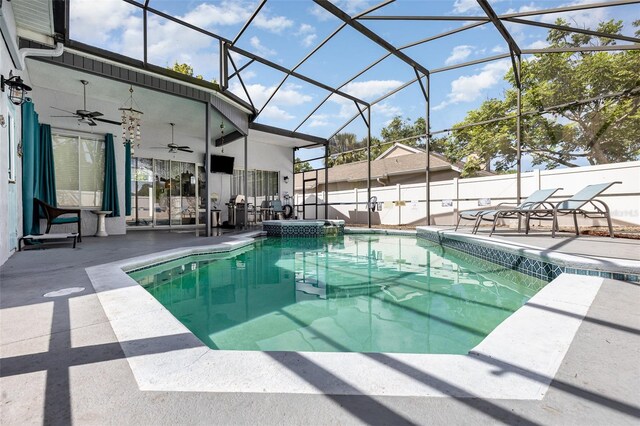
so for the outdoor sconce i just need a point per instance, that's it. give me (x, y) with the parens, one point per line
(17, 88)
(286, 179)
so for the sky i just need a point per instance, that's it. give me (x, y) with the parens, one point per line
(285, 31)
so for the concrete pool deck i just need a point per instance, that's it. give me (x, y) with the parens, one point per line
(61, 361)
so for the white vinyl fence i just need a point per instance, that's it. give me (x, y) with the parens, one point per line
(405, 204)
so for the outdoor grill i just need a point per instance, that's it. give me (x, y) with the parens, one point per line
(236, 206)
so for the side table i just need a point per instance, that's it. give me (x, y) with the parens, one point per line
(101, 230)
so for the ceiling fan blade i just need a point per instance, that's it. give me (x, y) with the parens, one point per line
(183, 146)
(95, 114)
(63, 110)
(184, 149)
(104, 120)
(64, 116)
(92, 123)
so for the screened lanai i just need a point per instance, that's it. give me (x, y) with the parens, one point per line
(318, 70)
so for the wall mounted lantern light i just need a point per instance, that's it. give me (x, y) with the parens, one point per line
(286, 179)
(17, 88)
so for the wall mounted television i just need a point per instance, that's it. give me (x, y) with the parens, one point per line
(221, 164)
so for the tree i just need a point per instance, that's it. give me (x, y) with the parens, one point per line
(399, 130)
(300, 167)
(601, 131)
(187, 69)
(344, 148)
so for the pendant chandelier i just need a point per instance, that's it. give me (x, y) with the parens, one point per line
(131, 120)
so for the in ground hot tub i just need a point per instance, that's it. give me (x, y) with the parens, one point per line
(303, 228)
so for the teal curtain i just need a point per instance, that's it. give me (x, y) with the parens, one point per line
(110, 189)
(46, 178)
(30, 160)
(127, 178)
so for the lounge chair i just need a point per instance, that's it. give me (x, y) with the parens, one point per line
(52, 214)
(535, 201)
(580, 202)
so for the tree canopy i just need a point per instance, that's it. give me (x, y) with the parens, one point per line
(301, 166)
(601, 131)
(187, 69)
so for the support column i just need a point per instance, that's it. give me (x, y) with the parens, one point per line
(207, 166)
(326, 181)
(246, 180)
(427, 179)
(293, 180)
(368, 166)
(519, 140)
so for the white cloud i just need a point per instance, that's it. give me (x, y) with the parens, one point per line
(288, 96)
(260, 48)
(307, 34)
(320, 13)
(305, 29)
(368, 89)
(275, 113)
(208, 15)
(108, 15)
(538, 44)
(469, 88)
(462, 6)
(352, 6)
(499, 48)
(248, 74)
(387, 110)
(459, 54)
(320, 120)
(308, 40)
(275, 24)
(589, 18)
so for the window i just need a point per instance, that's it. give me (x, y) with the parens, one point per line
(12, 146)
(262, 185)
(79, 166)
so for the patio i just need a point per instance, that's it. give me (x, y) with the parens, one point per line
(247, 104)
(61, 361)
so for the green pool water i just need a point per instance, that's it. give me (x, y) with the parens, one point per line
(357, 293)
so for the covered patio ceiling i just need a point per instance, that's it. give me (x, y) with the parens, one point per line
(159, 108)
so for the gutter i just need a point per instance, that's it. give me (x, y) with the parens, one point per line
(49, 53)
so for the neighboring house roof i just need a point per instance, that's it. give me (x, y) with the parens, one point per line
(399, 159)
(398, 149)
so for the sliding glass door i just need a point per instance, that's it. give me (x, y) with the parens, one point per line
(164, 193)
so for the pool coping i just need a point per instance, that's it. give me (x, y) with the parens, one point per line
(517, 360)
(580, 264)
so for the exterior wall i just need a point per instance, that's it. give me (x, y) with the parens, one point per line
(43, 99)
(404, 204)
(6, 66)
(261, 156)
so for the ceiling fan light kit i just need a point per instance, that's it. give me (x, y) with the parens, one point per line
(173, 147)
(85, 116)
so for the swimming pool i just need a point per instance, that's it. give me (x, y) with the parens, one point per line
(357, 293)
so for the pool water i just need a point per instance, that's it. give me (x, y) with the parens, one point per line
(357, 293)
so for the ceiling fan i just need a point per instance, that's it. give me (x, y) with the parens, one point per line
(85, 116)
(173, 147)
